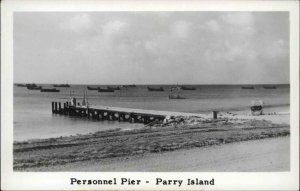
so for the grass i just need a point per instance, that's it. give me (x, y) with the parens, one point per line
(154, 139)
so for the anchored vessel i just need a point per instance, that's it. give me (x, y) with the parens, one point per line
(160, 89)
(176, 97)
(270, 87)
(33, 87)
(129, 86)
(91, 88)
(50, 90)
(248, 87)
(113, 88)
(105, 90)
(187, 88)
(61, 85)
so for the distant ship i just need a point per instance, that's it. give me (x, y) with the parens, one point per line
(33, 87)
(270, 87)
(91, 88)
(50, 90)
(129, 86)
(61, 85)
(105, 90)
(113, 88)
(160, 89)
(248, 87)
(187, 88)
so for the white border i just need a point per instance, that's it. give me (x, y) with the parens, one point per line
(224, 181)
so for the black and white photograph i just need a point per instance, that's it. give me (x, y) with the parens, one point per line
(151, 91)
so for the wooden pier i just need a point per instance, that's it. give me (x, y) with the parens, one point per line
(115, 113)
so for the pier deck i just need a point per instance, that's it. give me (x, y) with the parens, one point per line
(116, 113)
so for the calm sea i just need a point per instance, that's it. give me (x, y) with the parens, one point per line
(33, 118)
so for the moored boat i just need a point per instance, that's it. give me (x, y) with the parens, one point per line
(269, 87)
(61, 85)
(248, 87)
(50, 90)
(105, 90)
(160, 89)
(176, 97)
(113, 88)
(187, 88)
(91, 88)
(129, 86)
(21, 85)
(33, 87)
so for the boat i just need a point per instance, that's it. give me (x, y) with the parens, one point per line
(129, 86)
(176, 97)
(91, 88)
(270, 87)
(50, 90)
(105, 90)
(33, 87)
(187, 88)
(248, 87)
(175, 88)
(61, 85)
(113, 88)
(21, 85)
(160, 89)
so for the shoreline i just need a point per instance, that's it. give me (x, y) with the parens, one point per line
(185, 133)
(277, 114)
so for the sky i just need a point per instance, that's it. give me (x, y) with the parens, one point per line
(151, 47)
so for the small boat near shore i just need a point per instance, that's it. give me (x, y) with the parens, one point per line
(113, 88)
(269, 87)
(160, 89)
(187, 88)
(61, 85)
(105, 90)
(248, 87)
(50, 90)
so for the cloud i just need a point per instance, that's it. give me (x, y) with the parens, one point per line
(180, 29)
(239, 22)
(152, 47)
(212, 25)
(111, 28)
(238, 18)
(78, 23)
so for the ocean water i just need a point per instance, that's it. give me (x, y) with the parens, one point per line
(33, 118)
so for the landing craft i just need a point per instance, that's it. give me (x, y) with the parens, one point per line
(50, 90)
(91, 88)
(248, 87)
(61, 85)
(160, 89)
(187, 88)
(105, 90)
